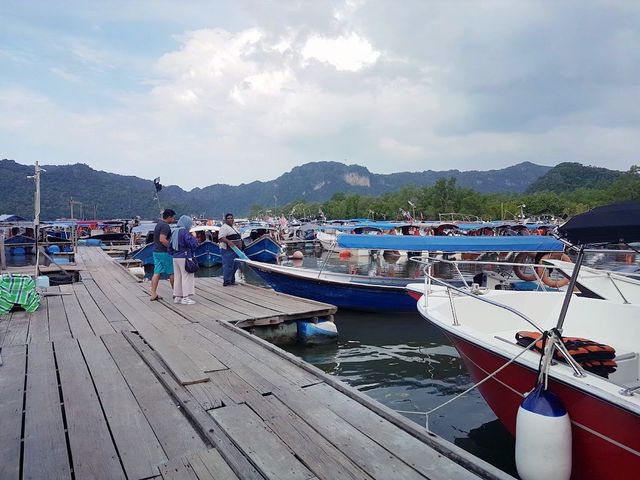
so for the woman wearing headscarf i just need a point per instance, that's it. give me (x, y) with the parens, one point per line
(182, 246)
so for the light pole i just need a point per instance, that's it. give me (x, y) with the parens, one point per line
(413, 208)
(275, 206)
(36, 218)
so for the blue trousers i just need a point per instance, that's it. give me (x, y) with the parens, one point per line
(229, 266)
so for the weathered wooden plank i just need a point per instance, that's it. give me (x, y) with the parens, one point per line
(92, 450)
(5, 320)
(202, 310)
(195, 346)
(58, 325)
(139, 449)
(12, 375)
(318, 454)
(362, 450)
(406, 447)
(210, 465)
(182, 367)
(272, 457)
(123, 326)
(98, 321)
(173, 430)
(248, 344)
(285, 304)
(259, 376)
(107, 307)
(75, 316)
(45, 445)
(144, 320)
(207, 426)
(39, 324)
(178, 469)
(17, 330)
(239, 305)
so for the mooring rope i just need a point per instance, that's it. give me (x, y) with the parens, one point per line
(472, 387)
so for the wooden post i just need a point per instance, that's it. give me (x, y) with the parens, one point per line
(3, 260)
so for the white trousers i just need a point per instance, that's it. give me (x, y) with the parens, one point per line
(184, 283)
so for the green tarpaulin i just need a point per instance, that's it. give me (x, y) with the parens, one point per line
(20, 290)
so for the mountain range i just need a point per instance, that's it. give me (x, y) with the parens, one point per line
(109, 195)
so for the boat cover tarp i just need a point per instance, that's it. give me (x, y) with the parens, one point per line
(526, 243)
(18, 290)
(619, 222)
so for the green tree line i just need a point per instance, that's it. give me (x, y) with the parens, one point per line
(446, 196)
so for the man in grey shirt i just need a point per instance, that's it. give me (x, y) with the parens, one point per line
(162, 260)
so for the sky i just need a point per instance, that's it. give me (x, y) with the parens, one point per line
(231, 91)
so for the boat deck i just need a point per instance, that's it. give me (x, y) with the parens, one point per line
(101, 383)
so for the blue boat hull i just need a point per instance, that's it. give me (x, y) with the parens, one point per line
(208, 254)
(346, 296)
(264, 249)
(144, 254)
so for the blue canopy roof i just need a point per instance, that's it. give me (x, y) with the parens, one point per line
(527, 243)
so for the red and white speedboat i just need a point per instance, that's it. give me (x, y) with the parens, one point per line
(604, 412)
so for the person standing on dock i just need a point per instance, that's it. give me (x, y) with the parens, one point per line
(182, 247)
(162, 261)
(228, 238)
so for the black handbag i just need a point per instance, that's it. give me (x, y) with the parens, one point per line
(191, 264)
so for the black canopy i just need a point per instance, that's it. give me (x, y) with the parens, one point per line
(619, 222)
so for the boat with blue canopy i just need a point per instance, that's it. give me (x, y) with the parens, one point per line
(373, 293)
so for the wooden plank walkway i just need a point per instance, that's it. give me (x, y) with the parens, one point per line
(102, 383)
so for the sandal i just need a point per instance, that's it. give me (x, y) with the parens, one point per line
(155, 299)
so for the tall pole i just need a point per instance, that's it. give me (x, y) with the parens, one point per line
(36, 217)
(3, 260)
(275, 206)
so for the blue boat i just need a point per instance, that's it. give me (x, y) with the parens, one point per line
(361, 292)
(260, 244)
(144, 254)
(20, 245)
(353, 292)
(207, 254)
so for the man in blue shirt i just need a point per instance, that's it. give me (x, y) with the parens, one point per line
(162, 260)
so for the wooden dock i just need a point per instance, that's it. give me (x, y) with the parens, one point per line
(102, 383)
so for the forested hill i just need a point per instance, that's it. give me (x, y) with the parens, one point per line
(113, 196)
(567, 177)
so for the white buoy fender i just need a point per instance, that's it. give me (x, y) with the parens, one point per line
(543, 437)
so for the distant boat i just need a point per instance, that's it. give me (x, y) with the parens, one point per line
(207, 252)
(260, 243)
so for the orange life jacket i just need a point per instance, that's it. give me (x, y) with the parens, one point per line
(594, 357)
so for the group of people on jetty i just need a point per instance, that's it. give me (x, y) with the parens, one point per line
(173, 255)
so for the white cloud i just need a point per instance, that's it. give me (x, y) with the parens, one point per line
(346, 53)
(431, 85)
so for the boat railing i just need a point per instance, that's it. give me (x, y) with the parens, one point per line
(470, 292)
(456, 263)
